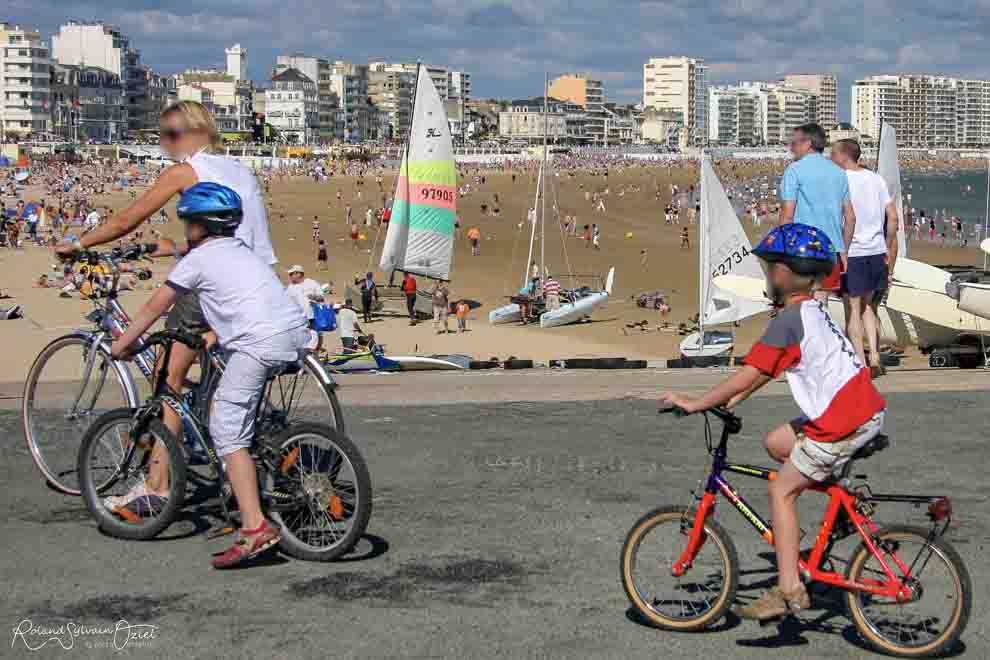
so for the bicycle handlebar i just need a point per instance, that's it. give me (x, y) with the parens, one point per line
(728, 417)
(112, 256)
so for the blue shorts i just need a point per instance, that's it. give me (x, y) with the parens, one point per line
(865, 274)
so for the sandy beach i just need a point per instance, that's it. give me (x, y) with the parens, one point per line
(632, 223)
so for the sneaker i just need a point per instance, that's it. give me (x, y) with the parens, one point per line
(774, 604)
(248, 546)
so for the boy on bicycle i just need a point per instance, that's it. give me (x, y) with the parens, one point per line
(256, 322)
(842, 410)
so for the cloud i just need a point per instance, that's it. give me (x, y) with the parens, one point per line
(507, 45)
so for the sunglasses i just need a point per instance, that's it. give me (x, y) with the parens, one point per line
(171, 134)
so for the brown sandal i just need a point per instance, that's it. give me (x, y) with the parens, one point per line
(249, 544)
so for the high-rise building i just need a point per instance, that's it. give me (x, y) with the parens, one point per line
(391, 94)
(754, 113)
(926, 111)
(237, 62)
(587, 93)
(349, 82)
(824, 87)
(104, 46)
(677, 85)
(25, 81)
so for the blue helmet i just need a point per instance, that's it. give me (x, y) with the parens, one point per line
(804, 249)
(216, 206)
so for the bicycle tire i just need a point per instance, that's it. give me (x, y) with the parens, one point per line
(105, 519)
(359, 515)
(959, 617)
(722, 541)
(62, 478)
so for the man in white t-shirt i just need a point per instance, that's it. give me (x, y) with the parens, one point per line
(347, 327)
(305, 292)
(92, 220)
(872, 251)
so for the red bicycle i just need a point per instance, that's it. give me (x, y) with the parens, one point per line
(907, 590)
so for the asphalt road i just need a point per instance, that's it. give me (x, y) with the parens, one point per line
(496, 532)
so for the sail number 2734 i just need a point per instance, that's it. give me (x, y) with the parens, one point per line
(437, 194)
(735, 257)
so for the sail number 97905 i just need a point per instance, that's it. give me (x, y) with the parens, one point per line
(437, 194)
(734, 258)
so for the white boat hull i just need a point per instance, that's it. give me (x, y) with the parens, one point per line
(505, 314)
(573, 312)
(417, 363)
(717, 343)
(975, 299)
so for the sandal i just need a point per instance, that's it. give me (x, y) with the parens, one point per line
(249, 544)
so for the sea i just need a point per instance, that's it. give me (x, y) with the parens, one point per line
(962, 194)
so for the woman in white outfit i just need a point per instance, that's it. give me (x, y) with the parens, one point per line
(188, 133)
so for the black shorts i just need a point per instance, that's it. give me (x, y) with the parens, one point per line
(864, 275)
(187, 315)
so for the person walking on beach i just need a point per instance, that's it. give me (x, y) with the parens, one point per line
(474, 237)
(321, 255)
(355, 236)
(408, 288)
(551, 293)
(815, 192)
(347, 214)
(685, 239)
(369, 294)
(587, 236)
(441, 308)
(316, 229)
(596, 236)
(461, 312)
(872, 251)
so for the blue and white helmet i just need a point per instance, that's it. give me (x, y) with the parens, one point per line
(806, 250)
(216, 206)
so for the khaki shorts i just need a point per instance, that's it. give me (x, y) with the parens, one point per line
(819, 461)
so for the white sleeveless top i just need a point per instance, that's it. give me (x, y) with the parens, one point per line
(253, 230)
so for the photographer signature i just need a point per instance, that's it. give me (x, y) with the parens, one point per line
(122, 633)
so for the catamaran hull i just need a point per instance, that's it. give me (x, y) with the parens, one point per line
(573, 312)
(975, 299)
(505, 314)
(717, 343)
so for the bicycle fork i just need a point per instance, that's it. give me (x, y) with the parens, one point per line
(94, 349)
(696, 537)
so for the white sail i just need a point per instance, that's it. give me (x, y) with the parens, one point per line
(420, 238)
(726, 250)
(889, 168)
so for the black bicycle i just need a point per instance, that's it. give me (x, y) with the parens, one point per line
(312, 479)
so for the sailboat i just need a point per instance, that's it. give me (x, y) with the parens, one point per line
(575, 305)
(723, 250)
(420, 237)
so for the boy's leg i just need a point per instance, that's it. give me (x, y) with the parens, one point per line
(784, 491)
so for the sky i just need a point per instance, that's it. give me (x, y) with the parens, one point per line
(507, 46)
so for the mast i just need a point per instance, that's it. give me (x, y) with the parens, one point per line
(703, 267)
(986, 220)
(531, 217)
(543, 199)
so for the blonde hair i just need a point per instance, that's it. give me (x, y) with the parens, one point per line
(195, 117)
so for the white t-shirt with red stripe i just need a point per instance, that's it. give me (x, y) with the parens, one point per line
(830, 385)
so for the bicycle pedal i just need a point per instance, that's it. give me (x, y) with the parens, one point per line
(218, 532)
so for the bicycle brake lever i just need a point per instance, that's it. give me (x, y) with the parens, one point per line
(676, 411)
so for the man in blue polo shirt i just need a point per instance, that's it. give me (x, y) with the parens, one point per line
(815, 191)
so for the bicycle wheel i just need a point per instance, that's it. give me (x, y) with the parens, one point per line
(934, 618)
(328, 483)
(306, 395)
(109, 456)
(60, 402)
(696, 599)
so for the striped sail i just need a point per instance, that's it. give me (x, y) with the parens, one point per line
(420, 238)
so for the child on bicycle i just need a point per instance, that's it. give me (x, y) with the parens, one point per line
(842, 410)
(256, 322)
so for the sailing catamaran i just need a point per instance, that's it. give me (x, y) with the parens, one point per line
(575, 305)
(723, 250)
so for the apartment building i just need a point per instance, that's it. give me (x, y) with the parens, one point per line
(233, 99)
(25, 82)
(391, 93)
(677, 85)
(824, 87)
(523, 119)
(292, 106)
(758, 113)
(87, 104)
(318, 70)
(926, 111)
(587, 93)
(106, 47)
(349, 82)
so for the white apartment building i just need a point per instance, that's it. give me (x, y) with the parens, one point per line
(587, 93)
(823, 86)
(926, 111)
(233, 99)
(391, 93)
(349, 82)
(758, 113)
(25, 82)
(292, 106)
(677, 85)
(318, 70)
